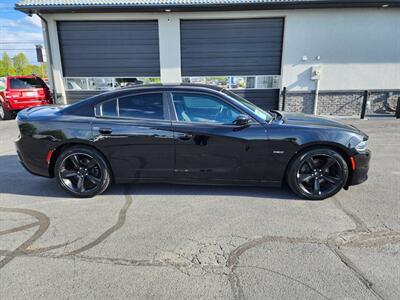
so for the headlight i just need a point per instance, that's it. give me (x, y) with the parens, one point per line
(362, 146)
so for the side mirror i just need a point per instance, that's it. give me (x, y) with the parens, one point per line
(242, 120)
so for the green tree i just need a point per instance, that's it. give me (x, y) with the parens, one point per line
(40, 71)
(7, 66)
(21, 64)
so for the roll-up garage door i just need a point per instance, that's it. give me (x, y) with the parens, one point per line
(234, 47)
(109, 48)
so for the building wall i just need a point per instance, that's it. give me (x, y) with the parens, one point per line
(359, 49)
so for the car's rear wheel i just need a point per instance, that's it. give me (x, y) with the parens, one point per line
(317, 174)
(82, 171)
(4, 114)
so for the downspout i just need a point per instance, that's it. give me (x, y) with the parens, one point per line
(316, 76)
(316, 96)
(49, 56)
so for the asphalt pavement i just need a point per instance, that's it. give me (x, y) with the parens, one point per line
(161, 241)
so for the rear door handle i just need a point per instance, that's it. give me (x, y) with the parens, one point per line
(105, 130)
(185, 137)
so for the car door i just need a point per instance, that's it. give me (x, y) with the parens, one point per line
(209, 146)
(135, 133)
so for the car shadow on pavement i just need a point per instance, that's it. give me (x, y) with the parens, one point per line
(16, 180)
(163, 189)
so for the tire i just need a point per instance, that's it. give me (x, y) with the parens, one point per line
(82, 171)
(317, 174)
(5, 114)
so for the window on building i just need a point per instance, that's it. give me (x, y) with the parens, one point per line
(105, 83)
(238, 82)
(100, 83)
(76, 84)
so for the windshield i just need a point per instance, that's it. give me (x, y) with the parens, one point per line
(254, 108)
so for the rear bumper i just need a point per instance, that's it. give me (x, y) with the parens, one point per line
(33, 166)
(360, 174)
(22, 104)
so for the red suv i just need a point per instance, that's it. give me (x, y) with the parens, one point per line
(19, 92)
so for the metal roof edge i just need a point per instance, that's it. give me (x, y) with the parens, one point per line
(203, 7)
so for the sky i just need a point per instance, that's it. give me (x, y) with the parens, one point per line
(18, 32)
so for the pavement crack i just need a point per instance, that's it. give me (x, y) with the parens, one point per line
(234, 256)
(336, 240)
(332, 245)
(120, 222)
(236, 287)
(289, 278)
(360, 225)
(42, 223)
(30, 251)
(19, 228)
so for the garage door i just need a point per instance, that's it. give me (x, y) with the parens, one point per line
(248, 49)
(112, 49)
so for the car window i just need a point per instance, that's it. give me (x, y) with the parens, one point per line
(192, 107)
(255, 109)
(109, 108)
(26, 83)
(143, 106)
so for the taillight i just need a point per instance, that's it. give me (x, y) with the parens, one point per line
(13, 94)
(48, 156)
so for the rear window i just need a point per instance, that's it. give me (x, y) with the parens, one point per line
(26, 83)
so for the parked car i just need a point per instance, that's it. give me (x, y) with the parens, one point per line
(188, 134)
(19, 92)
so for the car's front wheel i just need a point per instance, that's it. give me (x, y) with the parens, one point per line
(317, 174)
(82, 171)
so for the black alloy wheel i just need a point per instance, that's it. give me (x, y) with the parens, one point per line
(318, 174)
(82, 172)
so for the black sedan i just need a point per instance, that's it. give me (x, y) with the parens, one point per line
(188, 134)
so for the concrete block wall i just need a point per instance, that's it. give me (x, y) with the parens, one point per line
(340, 103)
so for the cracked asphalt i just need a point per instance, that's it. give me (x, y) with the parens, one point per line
(163, 241)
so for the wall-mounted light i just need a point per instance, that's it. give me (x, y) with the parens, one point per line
(385, 5)
(167, 10)
(304, 58)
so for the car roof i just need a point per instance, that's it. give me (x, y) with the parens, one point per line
(154, 87)
(173, 86)
(23, 76)
(94, 100)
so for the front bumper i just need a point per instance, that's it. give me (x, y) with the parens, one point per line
(360, 173)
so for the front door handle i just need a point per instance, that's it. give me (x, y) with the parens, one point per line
(185, 137)
(105, 130)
